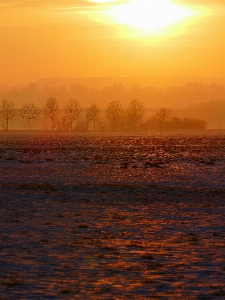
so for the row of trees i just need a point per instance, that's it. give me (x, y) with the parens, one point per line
(72, 113)
(65, 118)
(118, 118)
(161, 120)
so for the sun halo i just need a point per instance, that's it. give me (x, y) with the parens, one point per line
(145, 17)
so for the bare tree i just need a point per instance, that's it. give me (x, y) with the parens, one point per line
(29, 112)
(135, 112)
(92, 114)
(7, 112)
(63, 123)
(72, 111)
(82, 126)
(51, 110)
(162, 115)
(114, 113)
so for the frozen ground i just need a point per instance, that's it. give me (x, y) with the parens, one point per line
(112, 217)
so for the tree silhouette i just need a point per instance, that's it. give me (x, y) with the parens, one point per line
(194, 123)
(162, 115)
(92, 114)
(7, 112)
(114, 113)
(29, 112)
(72, 111)
(51, 110)
(135, 112)
(63, 123)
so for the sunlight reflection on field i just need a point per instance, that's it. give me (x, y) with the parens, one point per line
(93, 217)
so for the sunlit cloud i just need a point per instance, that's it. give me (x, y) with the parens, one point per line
(52, 3)
(94, 4)
(103, 1)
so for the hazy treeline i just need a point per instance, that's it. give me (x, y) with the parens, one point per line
(173, 96)
(162, 120)
(115, 117)
(192, 99)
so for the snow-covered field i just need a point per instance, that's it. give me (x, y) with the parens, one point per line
(112, 217)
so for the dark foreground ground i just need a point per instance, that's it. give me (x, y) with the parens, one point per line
(120, 217)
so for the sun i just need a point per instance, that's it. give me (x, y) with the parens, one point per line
(145, 17)
(149, 15)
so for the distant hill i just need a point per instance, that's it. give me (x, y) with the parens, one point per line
(145, 81)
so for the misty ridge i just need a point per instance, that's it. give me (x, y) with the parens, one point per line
(185, 101)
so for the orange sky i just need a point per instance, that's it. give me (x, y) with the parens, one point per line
(74, 38)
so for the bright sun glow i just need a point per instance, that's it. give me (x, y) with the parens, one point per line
(149, 15)
(146, 17)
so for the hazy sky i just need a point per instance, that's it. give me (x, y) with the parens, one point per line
(82, 38)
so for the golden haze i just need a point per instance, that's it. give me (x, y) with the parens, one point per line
(69, 39)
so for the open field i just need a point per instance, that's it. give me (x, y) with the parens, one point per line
(112, 216)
